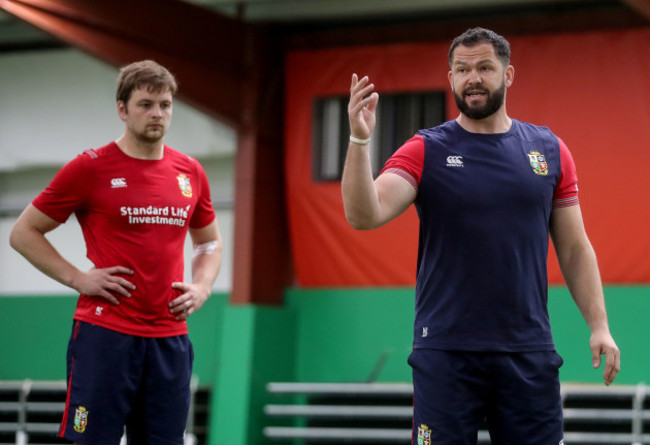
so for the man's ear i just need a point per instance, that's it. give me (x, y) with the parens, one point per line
(510, 75)
(121, 109)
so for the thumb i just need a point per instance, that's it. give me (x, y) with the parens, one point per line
(179, 285)
(374, 99)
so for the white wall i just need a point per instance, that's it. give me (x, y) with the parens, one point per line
(54, 104)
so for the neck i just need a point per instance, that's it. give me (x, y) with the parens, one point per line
(499, 122)
(139, 149)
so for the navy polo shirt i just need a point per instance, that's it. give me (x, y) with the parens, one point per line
(484, 203)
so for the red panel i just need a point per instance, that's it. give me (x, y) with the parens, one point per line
(591, 89)
(327, 251)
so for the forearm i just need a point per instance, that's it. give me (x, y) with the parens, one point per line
(360, 198)
(206, 261)
(34, 246)
(583, 279)
(205, 268)
(580, 269)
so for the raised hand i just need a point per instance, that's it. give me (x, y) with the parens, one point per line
(362, 107)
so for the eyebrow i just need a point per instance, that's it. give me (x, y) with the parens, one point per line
(144, 99)
(482, 61)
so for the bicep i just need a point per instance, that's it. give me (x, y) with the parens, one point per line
(567, 230)
(395, 195)
(34, 219)
(30, 228)
(206, 234)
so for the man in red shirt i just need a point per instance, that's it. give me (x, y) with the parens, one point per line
(129, 356)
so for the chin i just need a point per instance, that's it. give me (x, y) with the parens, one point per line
(154, 135)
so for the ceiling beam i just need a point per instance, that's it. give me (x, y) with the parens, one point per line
(561, 17)
(205, 51)
(640, 6)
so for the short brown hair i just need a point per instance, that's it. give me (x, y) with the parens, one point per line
(144, 73)
(476, 36)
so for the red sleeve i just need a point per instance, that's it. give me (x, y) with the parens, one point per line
(204, 212)
(67, 191)
(408, 161)
(566, 191)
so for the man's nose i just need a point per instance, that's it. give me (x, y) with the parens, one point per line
(475, 77)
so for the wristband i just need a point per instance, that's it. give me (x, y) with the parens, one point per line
(359, 141)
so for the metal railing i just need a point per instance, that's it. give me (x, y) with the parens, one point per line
(593, 414)
(31, 412)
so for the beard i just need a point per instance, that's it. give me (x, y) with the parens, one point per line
(493, 102)
(149, 135)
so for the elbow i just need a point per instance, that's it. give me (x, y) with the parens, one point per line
(20, 237)
(360, 217)
(361, 226)
(359, 223)
(14, 240)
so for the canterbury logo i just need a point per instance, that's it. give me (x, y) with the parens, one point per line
(454, 161)
(118, 182)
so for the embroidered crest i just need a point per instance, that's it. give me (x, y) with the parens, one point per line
(424, 435)
(184, 185)
(538, 162)
(80, 419)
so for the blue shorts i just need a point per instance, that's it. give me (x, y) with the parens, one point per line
(516, 395)
(117, 380)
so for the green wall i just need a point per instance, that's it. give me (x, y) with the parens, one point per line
(318, 335)
(351, 334)
(35, 332)
(258, 347)
(628, 308)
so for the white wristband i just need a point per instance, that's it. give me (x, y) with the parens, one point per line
(359, 141)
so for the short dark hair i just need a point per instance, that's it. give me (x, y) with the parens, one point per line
(144, 73)
(476, 36)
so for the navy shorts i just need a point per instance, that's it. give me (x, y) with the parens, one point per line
(515, 395)
(117, 380)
